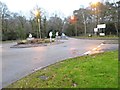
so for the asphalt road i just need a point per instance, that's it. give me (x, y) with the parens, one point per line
(19, 62)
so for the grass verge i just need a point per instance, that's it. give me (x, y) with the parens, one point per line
(98, 37)
(94, 71)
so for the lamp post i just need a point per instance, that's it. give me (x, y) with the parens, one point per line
(119, 24)
(39, 27)
(94, 6)
(74, 20)
(37, 14)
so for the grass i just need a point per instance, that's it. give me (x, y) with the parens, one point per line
(97, 37)
(94, 71)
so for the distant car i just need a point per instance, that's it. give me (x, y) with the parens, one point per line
(63, 36)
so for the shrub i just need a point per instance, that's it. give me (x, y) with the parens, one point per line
(35, 41)
(22, 42)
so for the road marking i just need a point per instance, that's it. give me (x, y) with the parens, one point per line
(99, 46)
(94, 49)
(88, 52)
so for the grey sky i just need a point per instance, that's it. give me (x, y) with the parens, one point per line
(62, 7)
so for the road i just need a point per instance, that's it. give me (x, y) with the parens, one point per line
(19, 62)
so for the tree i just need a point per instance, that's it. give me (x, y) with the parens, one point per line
(5, 15)
(55, 24)
(22, 31)
(105, 13)
(44, 29)
(38, 14)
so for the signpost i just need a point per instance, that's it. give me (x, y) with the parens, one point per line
(30, 35)
(56, 36)
(95, 30)
(56, 33)
(50, 34)
(101, 26)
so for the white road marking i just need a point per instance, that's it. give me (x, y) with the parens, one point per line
(94, 49)
(99, 46)
(88, 52)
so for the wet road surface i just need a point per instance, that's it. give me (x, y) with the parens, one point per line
(19, 62)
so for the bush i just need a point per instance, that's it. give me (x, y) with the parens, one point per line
(22, 42)
(110, 29)
(35, 41)
(47, 41)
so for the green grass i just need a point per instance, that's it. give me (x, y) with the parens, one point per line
(94, 71)
(97, 37)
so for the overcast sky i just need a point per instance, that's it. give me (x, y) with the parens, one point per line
(62, 7)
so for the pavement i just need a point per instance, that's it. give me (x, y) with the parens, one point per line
(19, 62)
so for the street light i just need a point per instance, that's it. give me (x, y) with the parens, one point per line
(94, 6)
(73, 19)
(37, 14)
(119, 24)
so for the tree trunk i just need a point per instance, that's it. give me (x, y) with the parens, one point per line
(116, 28)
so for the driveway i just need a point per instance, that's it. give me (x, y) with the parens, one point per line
(19, 62)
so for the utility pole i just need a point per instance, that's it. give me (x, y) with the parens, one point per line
(37, 14)
(119, 27)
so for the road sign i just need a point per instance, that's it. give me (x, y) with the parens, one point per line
(95, 29)
(30, 35)
(56, 33)
(101, 26)
(50, 34)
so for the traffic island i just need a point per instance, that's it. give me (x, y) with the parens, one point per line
(35, 43)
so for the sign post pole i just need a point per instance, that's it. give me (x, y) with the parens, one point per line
(50, 34)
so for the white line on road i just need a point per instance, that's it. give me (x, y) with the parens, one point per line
(94, 49)
(99, 46)
(88, 52)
